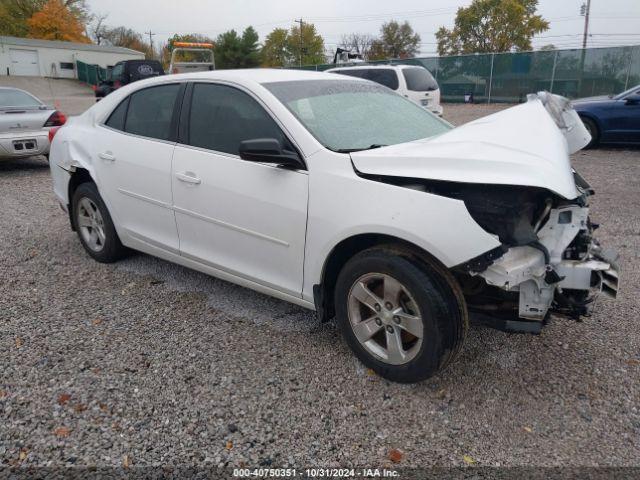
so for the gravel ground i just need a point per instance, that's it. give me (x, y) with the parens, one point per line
(147, 363)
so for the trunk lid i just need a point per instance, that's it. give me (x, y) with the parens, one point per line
(23, 119)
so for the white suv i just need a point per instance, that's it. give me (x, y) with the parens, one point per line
(412, 82)
(341, 196)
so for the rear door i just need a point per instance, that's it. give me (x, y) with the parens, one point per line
(133, 152)
(245, 218)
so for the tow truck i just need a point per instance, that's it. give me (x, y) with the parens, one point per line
(203, 52)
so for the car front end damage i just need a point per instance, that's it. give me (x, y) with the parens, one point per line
(549, 260)
(513, 172)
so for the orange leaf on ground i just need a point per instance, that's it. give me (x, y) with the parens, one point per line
(62, 432)
(96, 322)
(126, 461)
(63, 398)
(229, 445)
(395, 455)
(19, 342)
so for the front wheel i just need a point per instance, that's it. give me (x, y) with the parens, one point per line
(403, 318)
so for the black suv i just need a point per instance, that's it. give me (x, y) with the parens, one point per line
(127, 72)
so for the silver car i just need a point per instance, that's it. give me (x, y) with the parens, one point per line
(25, 122)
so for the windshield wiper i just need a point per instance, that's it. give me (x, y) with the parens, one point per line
(351, 150)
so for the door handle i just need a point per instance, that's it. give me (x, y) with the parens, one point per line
(188, 177)
(107, 156)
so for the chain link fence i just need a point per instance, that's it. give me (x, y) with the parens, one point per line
(509, 77)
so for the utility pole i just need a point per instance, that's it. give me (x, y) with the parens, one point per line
(584, 10)
(151, 35)
(301, 44)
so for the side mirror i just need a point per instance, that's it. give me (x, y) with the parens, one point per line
(269, 150)
(632, 99)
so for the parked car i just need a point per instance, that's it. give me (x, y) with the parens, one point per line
(611, 119)
(126, 72)
(343, 197)
(25, 122)
(413, 82)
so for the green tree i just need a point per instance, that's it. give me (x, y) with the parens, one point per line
(274, 51)
(288, 47)
(306, 48)
(492, 26)
(397, 40)
(234, 51)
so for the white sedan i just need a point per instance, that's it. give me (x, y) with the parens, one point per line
(337, 194)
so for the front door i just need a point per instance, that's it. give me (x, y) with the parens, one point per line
(245, 218)
(133, 153)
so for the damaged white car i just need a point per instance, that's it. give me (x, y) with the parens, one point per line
(341, 196)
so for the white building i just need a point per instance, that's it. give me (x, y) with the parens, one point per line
(47, 58)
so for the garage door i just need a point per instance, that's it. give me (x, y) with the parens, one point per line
(24, 62)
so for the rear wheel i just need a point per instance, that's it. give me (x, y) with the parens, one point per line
(93, 223)
(592, 128)
(403, 318)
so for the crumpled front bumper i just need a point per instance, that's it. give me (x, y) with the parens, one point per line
(543, 275)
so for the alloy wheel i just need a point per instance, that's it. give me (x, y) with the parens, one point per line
(91, 224)
(385, 318)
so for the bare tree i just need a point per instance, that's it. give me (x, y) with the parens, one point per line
(98, 31)
(357, 43)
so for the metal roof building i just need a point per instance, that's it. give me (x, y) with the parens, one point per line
(52, 58)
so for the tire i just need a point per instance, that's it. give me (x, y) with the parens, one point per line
(430, 304)
(92, 221)
(591, 126)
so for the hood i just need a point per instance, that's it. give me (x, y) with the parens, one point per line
(526, 145)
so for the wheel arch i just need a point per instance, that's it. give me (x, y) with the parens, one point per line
(78, 176)
(323, 292)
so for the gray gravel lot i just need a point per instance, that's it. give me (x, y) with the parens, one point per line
(147, 363)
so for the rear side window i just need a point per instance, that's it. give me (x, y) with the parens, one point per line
(419, 79)
(150, 111)
(221, 117)
(384, 76)
(116, 120)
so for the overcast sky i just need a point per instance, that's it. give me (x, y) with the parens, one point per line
(613, 22)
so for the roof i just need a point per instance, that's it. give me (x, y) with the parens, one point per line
(35, 42)
(387, 66)
(256, 75)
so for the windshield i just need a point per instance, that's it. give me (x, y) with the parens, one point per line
(16, 98)
(419, 79)
(347, 115)
(627, 92)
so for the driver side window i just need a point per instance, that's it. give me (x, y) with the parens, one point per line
(222, 117)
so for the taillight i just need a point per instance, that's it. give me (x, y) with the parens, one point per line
(57, 119)
(52, 133)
